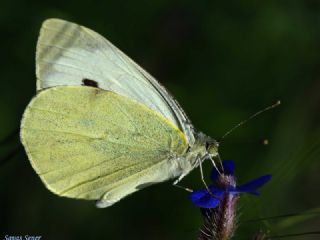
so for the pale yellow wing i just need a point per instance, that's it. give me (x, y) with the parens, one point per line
(68, 54)
(90, 143)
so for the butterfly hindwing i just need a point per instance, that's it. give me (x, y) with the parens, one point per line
(90, 143)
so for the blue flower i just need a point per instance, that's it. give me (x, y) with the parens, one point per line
(225, 184)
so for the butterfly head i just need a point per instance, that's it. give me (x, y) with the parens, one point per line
(212, 148)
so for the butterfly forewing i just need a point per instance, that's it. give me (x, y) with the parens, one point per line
(70, 54)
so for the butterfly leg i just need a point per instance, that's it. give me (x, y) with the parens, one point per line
(182, 187)
(202, 177)
(175, 183)
(215, 165)
(204, 181)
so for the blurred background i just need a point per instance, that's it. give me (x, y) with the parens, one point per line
(223, 61)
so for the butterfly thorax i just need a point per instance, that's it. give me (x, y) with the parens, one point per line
(204, 147)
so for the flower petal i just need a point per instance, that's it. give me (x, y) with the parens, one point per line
(228, 167)
(252, 186)
(202, 198)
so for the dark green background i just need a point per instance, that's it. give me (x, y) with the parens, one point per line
(223, 61)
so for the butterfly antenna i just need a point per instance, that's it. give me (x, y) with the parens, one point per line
(249, 118)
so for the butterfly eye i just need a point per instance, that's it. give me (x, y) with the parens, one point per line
(212, 148)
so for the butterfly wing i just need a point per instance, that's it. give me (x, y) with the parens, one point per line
(70, 54)
(90, 143)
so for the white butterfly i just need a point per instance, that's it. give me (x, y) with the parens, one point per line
(86, 87)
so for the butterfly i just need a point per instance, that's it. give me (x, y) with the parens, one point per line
(100, 127)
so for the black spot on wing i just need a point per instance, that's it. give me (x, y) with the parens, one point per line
(89, 82)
